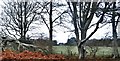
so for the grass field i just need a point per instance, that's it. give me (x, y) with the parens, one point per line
(67, 50)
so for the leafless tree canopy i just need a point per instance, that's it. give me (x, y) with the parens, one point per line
(18, 16)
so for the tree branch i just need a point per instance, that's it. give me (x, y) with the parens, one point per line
(59, 16)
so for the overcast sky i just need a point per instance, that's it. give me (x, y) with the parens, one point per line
(62, 36)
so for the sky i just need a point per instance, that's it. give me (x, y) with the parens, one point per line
(62, 36)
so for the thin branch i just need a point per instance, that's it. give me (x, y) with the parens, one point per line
(117, 21)
(10, 33)
(59, 16)
(70, 7)
(45, 22)
(28, 25)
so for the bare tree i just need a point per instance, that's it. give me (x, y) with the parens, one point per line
(114, 32)
(48, 12)
(113, 16)
(82, 21)
(17, 17)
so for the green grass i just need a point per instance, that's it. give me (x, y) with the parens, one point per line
(67, 50)
(104, 51)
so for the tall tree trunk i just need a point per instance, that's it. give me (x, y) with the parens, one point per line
(81, 47)
(115, 48)
(21, 30)
(51, 28)
(114, 42)
(76, 29)
(83, 31)
(114, 26)
(25, 20)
